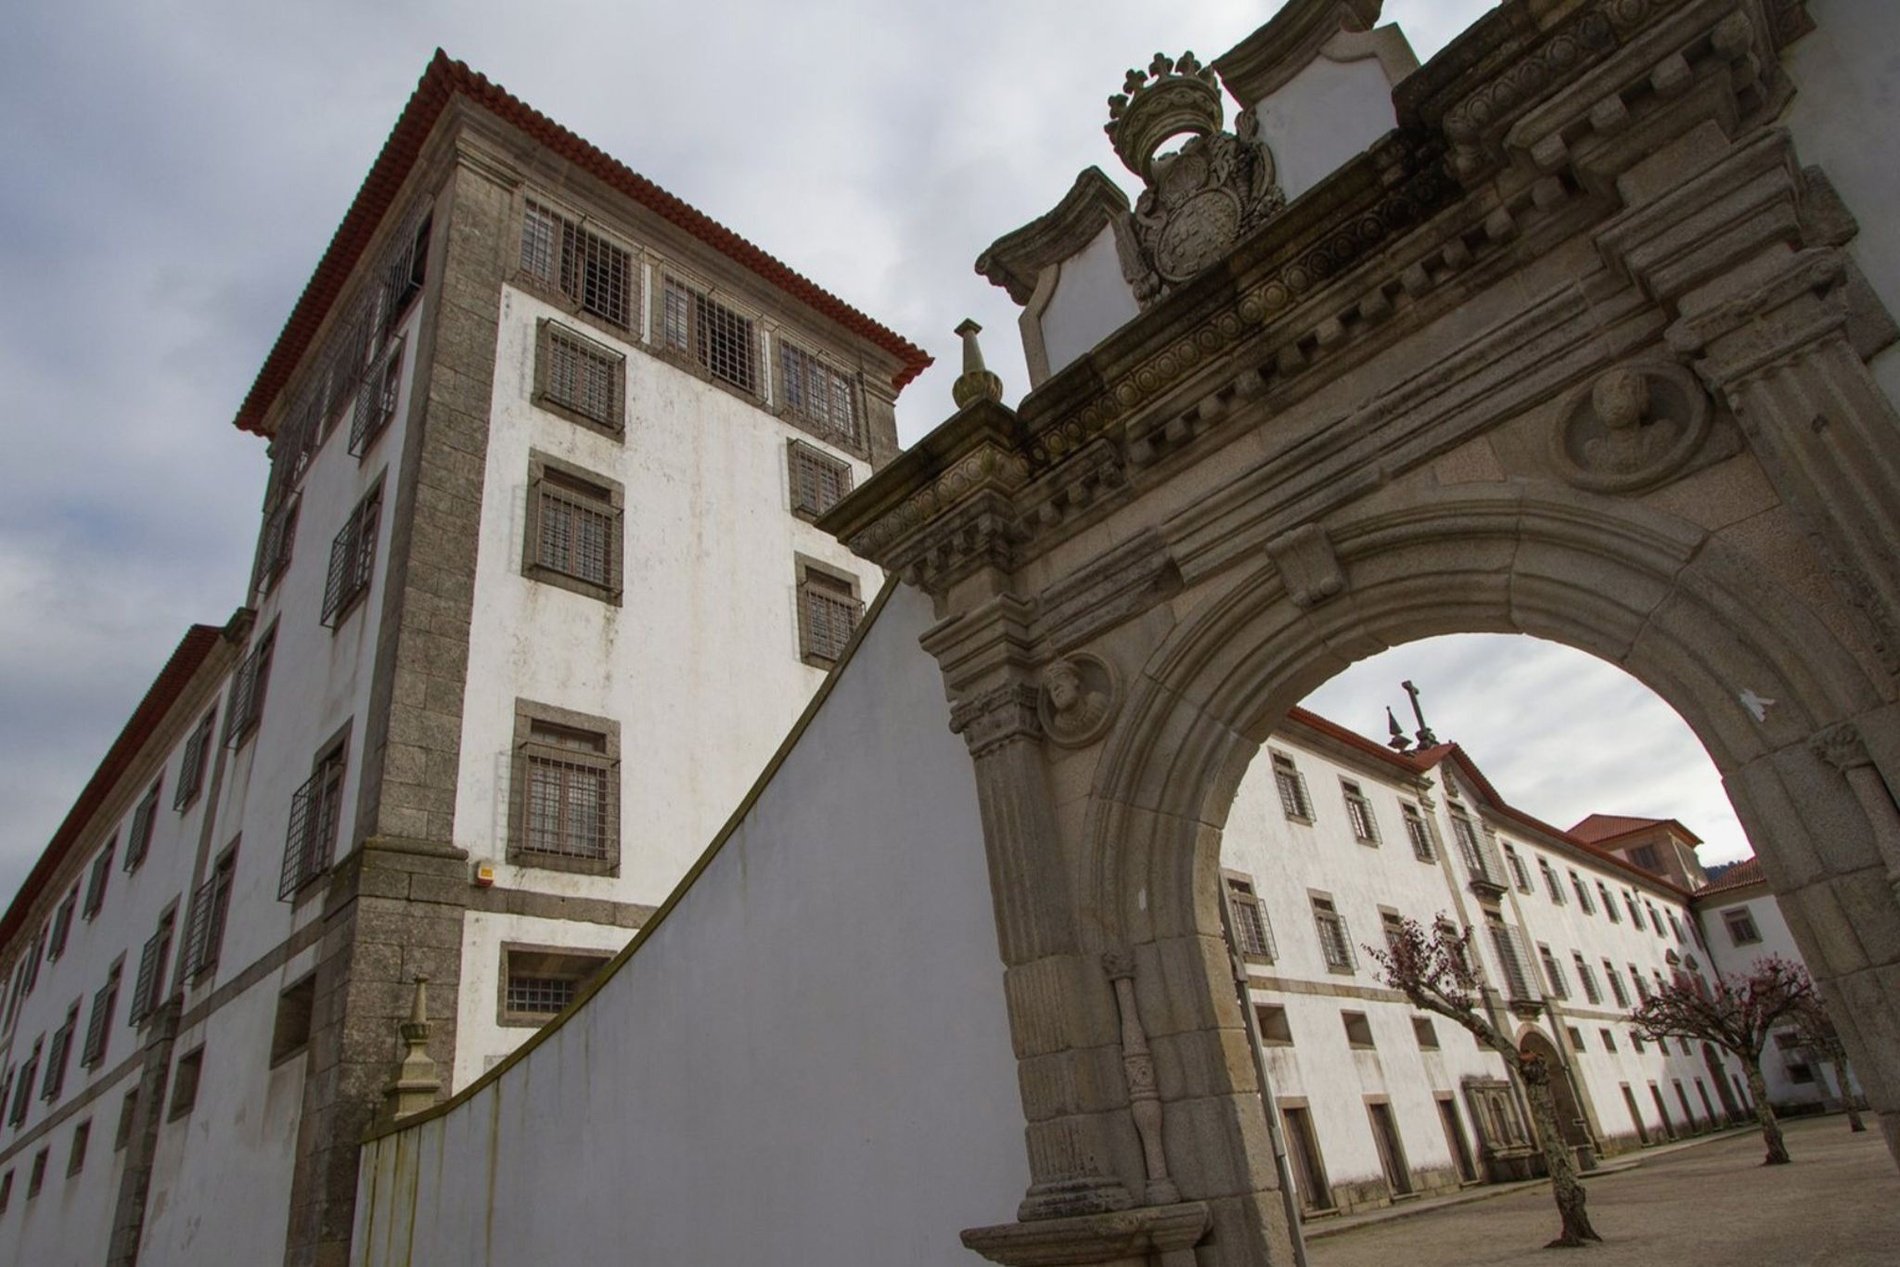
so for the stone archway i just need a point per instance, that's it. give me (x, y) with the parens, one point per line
(1563, 1090)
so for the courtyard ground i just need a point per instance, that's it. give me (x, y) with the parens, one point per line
(1837, 1205)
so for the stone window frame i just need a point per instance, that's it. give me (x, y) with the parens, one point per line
(187, 1077)
(821, 464)
(1655, 919)
(290, 1023)
(1552, 881)
(1296, 799)
(564, 963)
(1391, 925)
(1586, 978)
(250, 686)
(1582, 890)
(804, 567)
(1554, 980)
(1425, 1033)
(550, 291)
(209, 914)
(1520, 874)
(670, 272)
(1733, 921)
(1326, 911)
(1276, 1029)
(62, 924)
(1358, 1028)
(193, 764)
(547, 330)
(138, 836)
(148, 987)
(1609, 1038)
(781, 347)
(577, 483)
(1359, 812)
(1305, 1138)
(1418, 831)
(1241, 892)
(98, 878)
(375, 405)
(309, 850)
(1609, 903)
(351, 571)
(527, 713)
(105, 1006)
(82, 1136)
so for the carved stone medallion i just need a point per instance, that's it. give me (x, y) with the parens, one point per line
(1080, 693)
(1631, 429)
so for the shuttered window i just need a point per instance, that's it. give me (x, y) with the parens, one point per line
(191, 770)
(146, 990)
(138, 839)
(99, 1023)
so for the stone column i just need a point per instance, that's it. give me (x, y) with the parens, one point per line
(135, 1180)
(1842, 747)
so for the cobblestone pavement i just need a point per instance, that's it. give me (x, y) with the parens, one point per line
(1838, 1205)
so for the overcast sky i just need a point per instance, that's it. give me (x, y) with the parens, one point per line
(175, 168)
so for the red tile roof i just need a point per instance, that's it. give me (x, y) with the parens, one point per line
(443, 81)
(197, 644)
(1740, 876)
(1601, 827)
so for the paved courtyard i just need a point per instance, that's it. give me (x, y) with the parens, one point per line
(1838, 1205)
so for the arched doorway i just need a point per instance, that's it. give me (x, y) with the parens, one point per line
(1563, 1090)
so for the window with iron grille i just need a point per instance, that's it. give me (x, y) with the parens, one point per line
(376, 400)
(1419, 832)
(58, 1056)
(1551, 882)
(1520, 874)
(1587, 978)
(1335, 942)
(352, 558)
(1392, 924)
(1583, 894)
(819, 481)
(1252, 933)
(817, 397)
(210, 907)
(1466, 835)
(248, 686)
(1553, 973)
(721, 341)
(596, 275)
(138, 840)
(1291, 785)
(1359, 813)
(1741, 926)
(579, 378)
(567, 790)
(191, 770)
(274, 545)
(99, 1023)
(828, 611)
(1609, 903)
(63, 924)
(316, 809)
(149, 986)
(540, 981)
(23, 1089)
(1509, 945)
(101, 873)
(574, 531)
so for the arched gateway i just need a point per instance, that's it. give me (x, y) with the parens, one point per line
(1579, 350)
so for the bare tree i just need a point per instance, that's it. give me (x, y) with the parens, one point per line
(1435, 971)
(1736, 1015)
(1818, 1032)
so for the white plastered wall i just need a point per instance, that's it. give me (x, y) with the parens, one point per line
(1080, 302)
(1334, 107)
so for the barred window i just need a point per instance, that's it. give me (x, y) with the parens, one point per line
(352, 558)
(191, 771)
(1252, 933)
(1741, 926)
(138, 840)
(1419, 832)
(376, 400)
(101, 873)
(63, 924)
(1335, 943)
(1586, 978)
(99, 1024)
(579, 378)
(574, 530)
(817, 397)
(721, 340)
(210, 907)
(316, 809)
(567, 797)
(828, 611)
(819, 481)
(1359, 813)
(1292, 788)
(591, 271)
(1466, 835)
(59, 1055)
(539, 982)
(149, 987)
(1520, 985)
(274, 545)
(247, 690)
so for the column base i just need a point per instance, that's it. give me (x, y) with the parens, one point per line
(1116, 1238)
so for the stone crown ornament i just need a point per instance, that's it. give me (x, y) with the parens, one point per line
(1173, 96)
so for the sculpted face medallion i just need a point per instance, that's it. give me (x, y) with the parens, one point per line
(1631, 428)
(1078, 699)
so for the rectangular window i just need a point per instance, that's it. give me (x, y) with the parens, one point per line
(1616, 984)
(574, 529)
(1291, 785)
(210, 907)
(316, 810)
(99, 1024)
(376, 400)
(1741, 926)
(1274, 1029)
(36, 1178)
(719, 339)
(1419, 832)
(818, 480)
(1642, 987)
(567, 802)
(63, 924)
(1609, 903)
(828, 612)
(1646, 857)
(1587, 978)
(274, 545)
(1655, 920)
(1583, 894)
(1576, 1039)
(185, 1077)
(1520, 875)
(1308, 1164)
(1466, 834)
(1359, 813)
(352, 558)
(537, 983)
(101, 873)
(191, 771)
(1675, 927)
(817, 397)
(59, 1055)
(290, 1032)
(579, 378)
(128, 1111)
(1335, 942)
(1609, 1040)
(1252, 932)
(1392, 924)
(1425, 1033)
(82, 1135)
(1636, 912)
(1358, 1030)
(1551, 882)
(6, 1191)
(1553, 973)
(248, 686)
(1520, 984)
(23, 1089)
(138, 840)
(149, 988)
(580, 264)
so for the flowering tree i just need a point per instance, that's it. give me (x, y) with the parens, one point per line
(1435, 971)
(1736, 1015)
(1818, 1032)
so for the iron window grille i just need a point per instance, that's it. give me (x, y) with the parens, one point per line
(1418, 831)
(191, 770)
(101, 873)
(817, 397)
(720, 340)
(569, 798)
(274, 545)
(138, 840)
(1482, 858)
(150, 982)
(1616, 984)
(1553, 973)
(63, 924)
(1741, 927)
(204, 926)
(577, 530)
(1252, 931)
(818, 480)
(248, 686)
(1520, 985)
(1587, 978)
(1291, 785)
(1359, 814)
(99, 1023)
(376, 400)
(541, 996)
(316, 809)
(538, 983)
(1335, 942)
(1520, 874)
(58, 1056)
(576, 376)
(828, 613)
(352, 559)
(595, 274)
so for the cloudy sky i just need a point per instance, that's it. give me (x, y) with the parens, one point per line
(175, 168)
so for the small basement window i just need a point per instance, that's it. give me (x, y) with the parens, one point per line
(537, 983)
(185, 1084)
(1274, 1029)
(1358, 1029)
(290, 1033)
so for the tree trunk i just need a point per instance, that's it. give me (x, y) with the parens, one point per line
(1559, 1160)
(1765, 1114)
(1839, 1062)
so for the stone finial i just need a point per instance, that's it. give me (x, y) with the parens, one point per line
(416, 1085)
(977, 382)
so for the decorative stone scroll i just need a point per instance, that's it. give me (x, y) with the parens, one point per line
(1079, 695)
(1632, 428)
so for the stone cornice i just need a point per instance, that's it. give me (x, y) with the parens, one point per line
(1262, 63)
(1015, 260)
